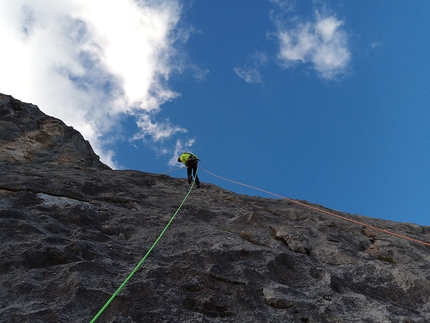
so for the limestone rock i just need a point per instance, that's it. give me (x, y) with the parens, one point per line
(27, 135)
(73, 230)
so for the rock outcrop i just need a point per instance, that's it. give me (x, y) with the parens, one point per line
(27, 135)
(72, 230)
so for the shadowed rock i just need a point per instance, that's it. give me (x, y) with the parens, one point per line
(27, 135)
(72, 230)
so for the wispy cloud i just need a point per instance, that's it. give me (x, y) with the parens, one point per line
(180, 147)
(250, 75)
(285, 5)
(154, 130)
(199, 73)
(321, 42)
(250, 72)
(89, 62)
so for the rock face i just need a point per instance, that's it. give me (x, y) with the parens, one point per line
(72, 230)
(27, 135)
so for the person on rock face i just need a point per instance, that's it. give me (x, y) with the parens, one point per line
(191, 161)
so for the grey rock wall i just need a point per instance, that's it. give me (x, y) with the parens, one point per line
(71, 232)
(27, 135)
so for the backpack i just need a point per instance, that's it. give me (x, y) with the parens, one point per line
(192, 160)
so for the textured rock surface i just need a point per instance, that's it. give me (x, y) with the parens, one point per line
(27, 135)
(72, 230)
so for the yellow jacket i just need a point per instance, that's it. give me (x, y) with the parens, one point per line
(184, 157)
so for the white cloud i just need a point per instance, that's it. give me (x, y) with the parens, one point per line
(180, 147)
(89, 62)
(321, 42)
(250, 75)
(199, 73)
(156, 131)
(251, 72)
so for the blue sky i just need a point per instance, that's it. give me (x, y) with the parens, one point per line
(324, 101)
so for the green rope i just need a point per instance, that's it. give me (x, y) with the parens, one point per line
(143, 259)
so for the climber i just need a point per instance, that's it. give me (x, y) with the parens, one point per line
(190, 160)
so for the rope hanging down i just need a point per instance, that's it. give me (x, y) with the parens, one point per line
(143, 259)
(324, 211)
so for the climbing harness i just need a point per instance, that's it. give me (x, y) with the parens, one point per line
(323, 211)
(143, 259)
